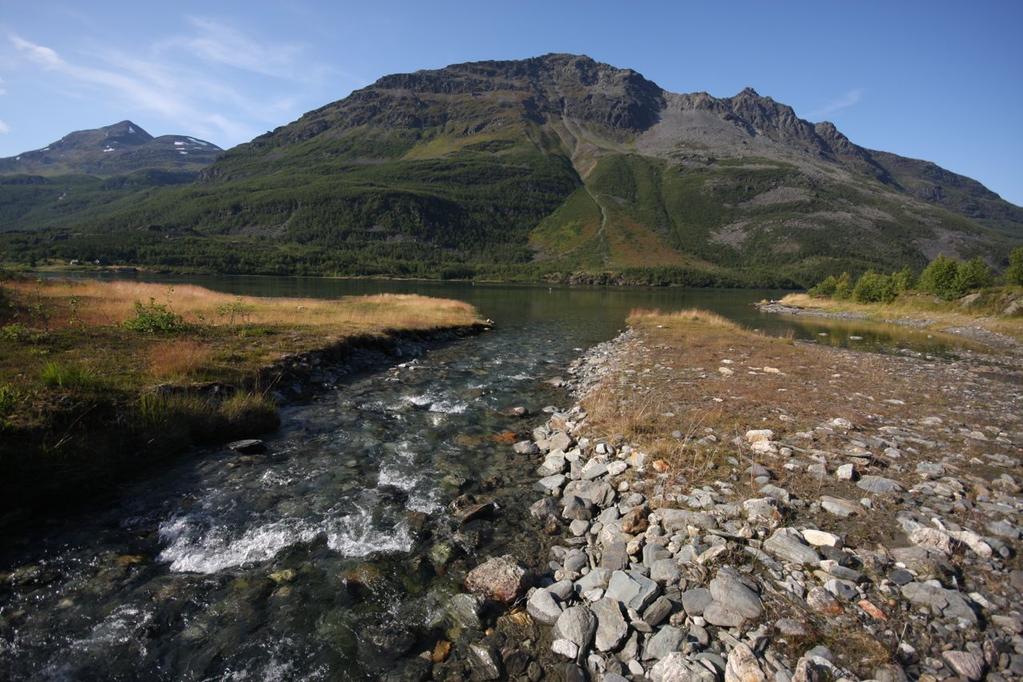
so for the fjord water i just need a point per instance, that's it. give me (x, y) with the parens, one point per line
(315, 560)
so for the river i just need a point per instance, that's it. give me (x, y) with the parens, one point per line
(333, 555)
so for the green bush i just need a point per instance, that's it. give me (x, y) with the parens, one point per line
(903, 280)
(973, 274)
(15, 332)
(69, 376)
(941, 278)
(825, 288)
(873, 287)
(1014, 273)
(155, 318)
(843, 287)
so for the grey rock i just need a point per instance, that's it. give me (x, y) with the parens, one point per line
(552, 464)
(484, 662)
(576, 508)
(543, 607)
(948, 603)
(843, 589)
(665, 571)
(878, 485)
(596, 578)
(594, 469)
(680, 519)
(733, 601)
(694, 601)
(526, 447)
(665, 641)
(249, 446)
(839, 506)
(597, 492)
(611, 626)
(632, 589)
(464, 609)
(615, 556)
(965, 664)
(577, 624)
(553, 482)
(655, 614)
(787, 544)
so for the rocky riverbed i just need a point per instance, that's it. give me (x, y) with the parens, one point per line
(870, 536)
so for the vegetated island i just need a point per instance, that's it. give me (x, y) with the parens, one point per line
(724, 503)
(101, 379)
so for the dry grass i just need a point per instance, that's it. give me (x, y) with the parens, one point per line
(641, 316)
(224, 338)
(670, 391)
(178, 358)
(94, 303)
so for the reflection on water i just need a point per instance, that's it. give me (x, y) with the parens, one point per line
(333, 553)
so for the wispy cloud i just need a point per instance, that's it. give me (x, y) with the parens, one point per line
(191, 78)
(844, 101)
(220, 43)
(4, 128)
(152, 91)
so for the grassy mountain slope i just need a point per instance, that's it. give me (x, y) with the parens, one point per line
(535, 168)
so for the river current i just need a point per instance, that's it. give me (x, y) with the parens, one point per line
(332, 555)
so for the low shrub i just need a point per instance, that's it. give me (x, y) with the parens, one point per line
(155, 318)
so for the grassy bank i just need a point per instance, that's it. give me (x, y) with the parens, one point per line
(986, 309)
(102, 378)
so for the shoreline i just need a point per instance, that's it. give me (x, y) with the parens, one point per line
(92, 401)
(297, 377)
(848, 547)
(972, 330)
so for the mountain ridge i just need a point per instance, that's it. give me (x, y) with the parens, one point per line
(122, 147)
(554, 166)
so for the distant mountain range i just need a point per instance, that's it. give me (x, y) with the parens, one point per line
(113, 150)
(556, 167)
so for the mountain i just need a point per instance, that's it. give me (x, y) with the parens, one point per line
(551, 167)
(113, 150)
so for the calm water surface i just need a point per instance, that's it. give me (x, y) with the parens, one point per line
(322, 558)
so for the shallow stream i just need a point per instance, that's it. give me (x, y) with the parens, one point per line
(318, 559)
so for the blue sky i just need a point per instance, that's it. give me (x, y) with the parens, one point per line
(936, 80)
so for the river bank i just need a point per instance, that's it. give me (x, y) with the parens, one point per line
(993, 317)
(101, 380)
(725, 504)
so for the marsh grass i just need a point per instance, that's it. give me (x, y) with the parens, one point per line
(188, 418)
(70, 376)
